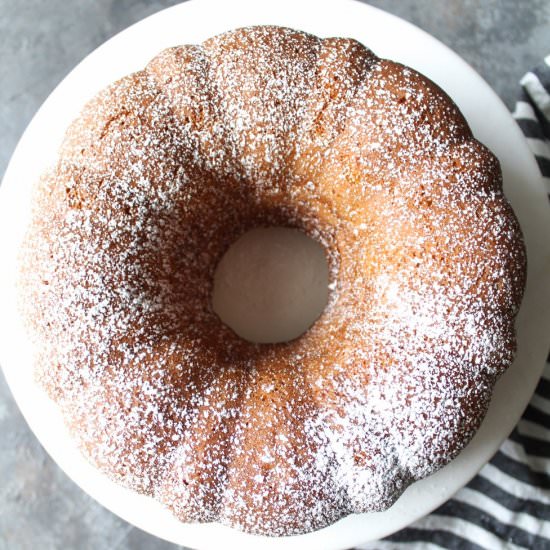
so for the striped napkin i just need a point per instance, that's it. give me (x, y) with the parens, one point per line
(507, 505)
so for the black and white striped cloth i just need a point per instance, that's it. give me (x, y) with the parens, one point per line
(507, 505)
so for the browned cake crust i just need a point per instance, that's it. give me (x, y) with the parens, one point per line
(163, 170)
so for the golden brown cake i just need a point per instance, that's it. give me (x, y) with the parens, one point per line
(268, 126)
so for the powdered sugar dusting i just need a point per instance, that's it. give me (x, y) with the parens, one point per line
(163, 171)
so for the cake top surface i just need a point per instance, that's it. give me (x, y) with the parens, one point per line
(270, 126)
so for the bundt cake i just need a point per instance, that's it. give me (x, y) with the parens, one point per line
(268, 126)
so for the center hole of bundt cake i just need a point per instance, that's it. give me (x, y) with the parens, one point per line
(271, 285)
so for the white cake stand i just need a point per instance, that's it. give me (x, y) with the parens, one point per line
(388, 36)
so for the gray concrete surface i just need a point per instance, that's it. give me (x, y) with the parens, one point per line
(40, 41)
